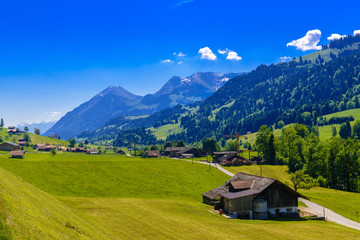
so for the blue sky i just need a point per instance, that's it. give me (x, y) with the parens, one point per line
(54, 55)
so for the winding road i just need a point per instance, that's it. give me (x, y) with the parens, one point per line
(313, 207)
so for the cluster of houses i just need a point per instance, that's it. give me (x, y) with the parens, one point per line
(13, 130)
(15, 149)
(232, 158)
(248, 196)
(175, 152)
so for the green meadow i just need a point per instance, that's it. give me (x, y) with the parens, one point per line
(78, 196)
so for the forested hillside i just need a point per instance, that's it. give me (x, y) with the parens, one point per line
(298, 91)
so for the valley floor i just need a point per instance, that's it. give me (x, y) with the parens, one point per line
(113, 197)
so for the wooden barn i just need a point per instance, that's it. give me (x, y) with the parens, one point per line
(152, 154)
(179, 152)
(218, 157)
(17, 154)
(8, 146)
(254, 197)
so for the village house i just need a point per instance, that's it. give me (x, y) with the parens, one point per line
(17, 154)
(152, 154)
(44, 147)
(8, 146)
(254, 197)
(120, 151)
(180, 152)
(218, 157)
(13, 130)
(92, 151)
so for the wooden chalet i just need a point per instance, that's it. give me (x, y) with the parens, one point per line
(17, 154)
(92, 151)
(44, 147)
(152, 154)
(120, 151)
(180, 152)
(9, 146)
(218, 157)
(254, 197)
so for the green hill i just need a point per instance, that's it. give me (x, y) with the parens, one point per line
(29, 213)
(35, 139)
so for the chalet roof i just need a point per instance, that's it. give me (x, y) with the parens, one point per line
(242, 184)
(21, 142)
(233, 195)
(259, 185)
(92, 150)
(21, 139)
(175, 149)
(185, 150)
(11, 127)
(12, 144)
(225, 153)
(153, 153)
(17, 153)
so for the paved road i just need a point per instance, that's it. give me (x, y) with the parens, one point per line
(330, 215)
(315, 208)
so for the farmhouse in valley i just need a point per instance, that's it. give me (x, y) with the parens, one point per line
(152, 154)
(8, 146)
(218, 157)
(17, 154)
(12, 129)
(254, 197)
(92, 151)
(180, 152)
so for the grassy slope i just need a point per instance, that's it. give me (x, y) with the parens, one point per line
(326, 131)
(165, 130)
(160, 206)
(344, 203)
(33, 214)
(35, 139)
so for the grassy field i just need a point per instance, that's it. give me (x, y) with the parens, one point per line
(29, 213)
(84, 175)
(117, 197)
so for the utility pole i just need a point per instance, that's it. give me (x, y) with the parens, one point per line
(261, 170)
(324, 213)
(237, 136)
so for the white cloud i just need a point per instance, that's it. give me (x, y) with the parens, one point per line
(335, 36)
(54, 114)
(180, 54)
(233, 56)
(206, 53)
(223, 51)
(356, 32)
(174, 53)
(285, 58)
(167, 61)
(308, 42)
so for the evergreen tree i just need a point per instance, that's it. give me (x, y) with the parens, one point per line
(180, 143)
(2, 123)
(356, 130)
(209, 145)
(26, 129)
(345, 130)
(271, 152)
(334, 132)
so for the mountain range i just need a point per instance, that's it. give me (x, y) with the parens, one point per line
(115, 102)
(43, 126)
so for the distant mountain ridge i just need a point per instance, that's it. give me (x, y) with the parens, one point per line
(116, 101)
(43, 126)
